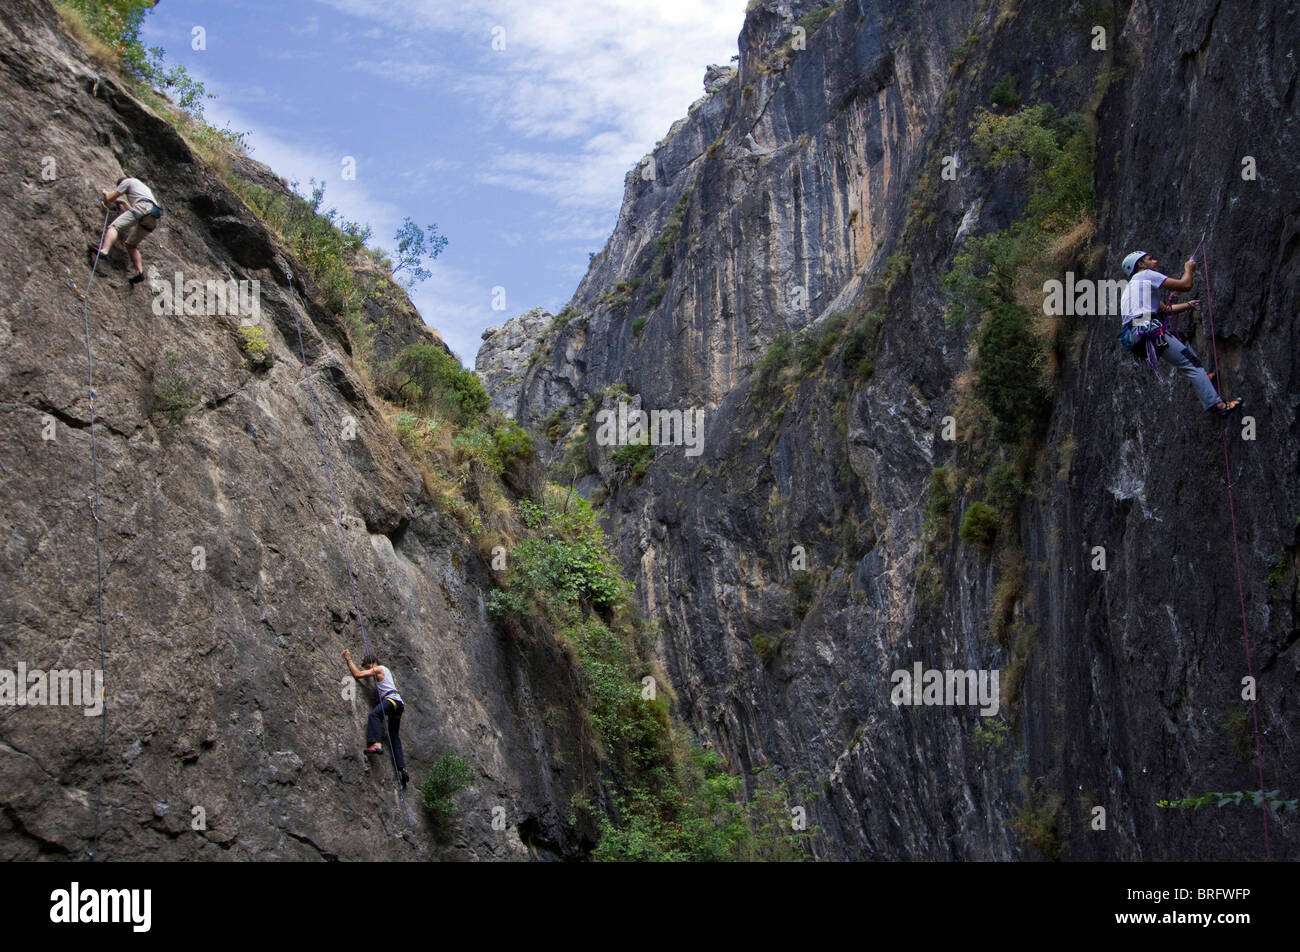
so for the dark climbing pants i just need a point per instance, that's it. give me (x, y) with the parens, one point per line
(392, 707)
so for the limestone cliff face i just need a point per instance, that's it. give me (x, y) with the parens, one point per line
(226, 599)
(757, 213)
(505, 354)
(768, 209)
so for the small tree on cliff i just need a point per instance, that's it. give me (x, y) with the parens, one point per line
(414, 246)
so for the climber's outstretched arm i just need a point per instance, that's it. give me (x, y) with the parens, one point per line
(1181, 284)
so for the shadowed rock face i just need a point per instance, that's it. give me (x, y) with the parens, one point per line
(224, 684)
(795, 175)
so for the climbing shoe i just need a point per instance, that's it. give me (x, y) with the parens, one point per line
(1229, 406)
(137, 279)
(93, 254)
(375, 749)
(406, 778)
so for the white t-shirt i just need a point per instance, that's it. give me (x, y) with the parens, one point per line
(1140, 295)
(135, 191)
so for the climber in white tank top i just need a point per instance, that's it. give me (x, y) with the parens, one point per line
(389, 705)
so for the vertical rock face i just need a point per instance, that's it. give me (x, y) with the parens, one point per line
(230, 731)
(767, 210)
(504, 356)
(759, 211)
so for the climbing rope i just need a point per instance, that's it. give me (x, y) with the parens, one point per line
(338, 524)
(1236, 554)
(99, 552)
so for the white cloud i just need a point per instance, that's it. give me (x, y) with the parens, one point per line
(611, 74)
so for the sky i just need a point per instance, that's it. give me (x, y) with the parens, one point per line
(509, 124)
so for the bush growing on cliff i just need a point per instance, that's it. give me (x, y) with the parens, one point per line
(812, 20)
(174, 395)
(672, 802)
(990, 274)
(111, 30)
(450, 774)
(426, 376)
(1037, 822)
(561, 565)
(1004, 94)
(256, 348)
(979, 525)
(498, 444)
(632, 462)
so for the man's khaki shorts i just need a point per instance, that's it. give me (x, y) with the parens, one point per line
(135, 224)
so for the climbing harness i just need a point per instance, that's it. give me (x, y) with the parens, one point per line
(99, 552)
(338, 521)
(1236, 549)
(1145, 340)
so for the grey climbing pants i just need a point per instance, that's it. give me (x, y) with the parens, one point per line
(1189, 365)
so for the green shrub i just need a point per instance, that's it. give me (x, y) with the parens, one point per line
(957, 58)
(979, 526)
(1038, 827)
(632, 462)
(766, 644)
(941, 488)
(450, 774)
(767, 372)
(812, 20)
(253, 342)
(991, 732)
(638, 326)
(1005, 489)
(1277, 570)
(326, 243)
(427, 377)
(1004, 94)
(553, 425)
(1008, 375)
(414, 432)
(709, 819)
(563, 563)
(983, 282)
(497, 445)
(859, 358)
(672, 227)
(174, 394)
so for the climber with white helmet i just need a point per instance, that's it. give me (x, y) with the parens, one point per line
(1144, 334)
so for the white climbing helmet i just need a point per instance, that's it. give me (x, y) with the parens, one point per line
(1130, 262)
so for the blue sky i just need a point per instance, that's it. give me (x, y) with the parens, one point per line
(517, 154)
